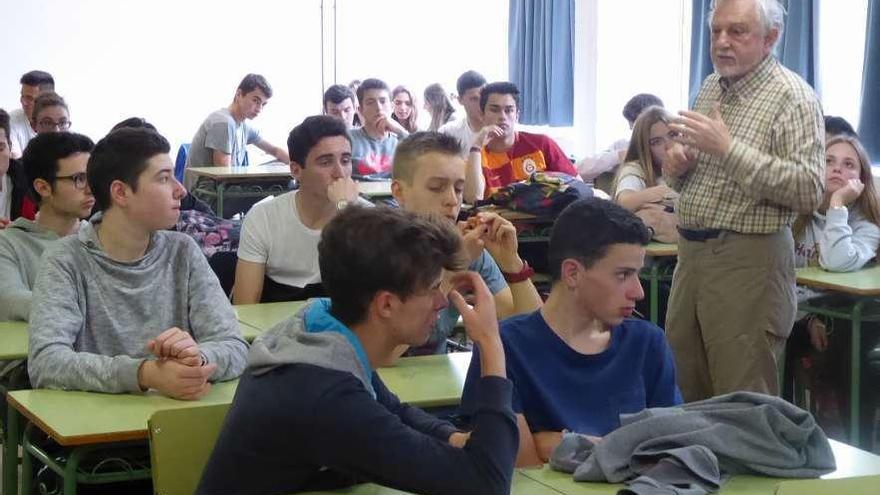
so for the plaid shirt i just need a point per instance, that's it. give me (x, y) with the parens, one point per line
(775, 167)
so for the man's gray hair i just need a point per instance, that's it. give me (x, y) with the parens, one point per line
(771, 15)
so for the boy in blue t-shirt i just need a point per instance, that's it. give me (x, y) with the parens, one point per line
(580, 361)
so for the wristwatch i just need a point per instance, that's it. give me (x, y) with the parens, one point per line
(521, 276)
(341, 204)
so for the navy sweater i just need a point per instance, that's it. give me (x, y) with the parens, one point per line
(301, 427)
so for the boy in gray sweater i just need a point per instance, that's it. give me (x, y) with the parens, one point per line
(125, 306)
(55, 166)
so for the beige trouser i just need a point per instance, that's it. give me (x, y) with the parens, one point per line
(731, 308)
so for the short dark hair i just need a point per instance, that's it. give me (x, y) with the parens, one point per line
(122, 155)
(587, 228)
(366, 250)
(41, 155)
(835, 126)
(255, 81)
(416, 145)
(336, 94)
(469, 80)
(4, 124)
(498, 88)
(637, 104)
(134, 123)
(313, 129)
(371, 83)
(45, 100)
(39, 78)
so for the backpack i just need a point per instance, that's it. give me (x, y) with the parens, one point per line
(543, 194)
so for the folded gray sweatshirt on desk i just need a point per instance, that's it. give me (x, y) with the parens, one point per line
(688, 449)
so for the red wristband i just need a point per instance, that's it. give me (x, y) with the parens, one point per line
(521, 276)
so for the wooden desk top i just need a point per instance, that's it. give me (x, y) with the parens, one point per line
(13, 340)
(851, 462)
(375, 189)
(520, 485)
(81, 418)
(264, 316)
(255, 171)
(428, 381)
(661, 249)
(865, 282)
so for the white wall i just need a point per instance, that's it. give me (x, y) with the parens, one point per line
(171, 62)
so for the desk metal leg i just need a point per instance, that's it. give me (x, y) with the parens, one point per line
(855, 377)
(10, 451)
(655, 292)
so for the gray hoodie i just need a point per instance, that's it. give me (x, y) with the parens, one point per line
(21, 245)
(327, 344)
(92, 316)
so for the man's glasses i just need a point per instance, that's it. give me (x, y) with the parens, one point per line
(51, 125)
(79, 179)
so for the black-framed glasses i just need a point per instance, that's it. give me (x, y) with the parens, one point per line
(79, 179)
(51, 125)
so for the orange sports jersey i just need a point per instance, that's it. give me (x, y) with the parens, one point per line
(530, 153)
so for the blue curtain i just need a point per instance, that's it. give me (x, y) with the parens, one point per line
(541, 59)
(797, 50)
(701, 61)
(869, 121)
(799, 47)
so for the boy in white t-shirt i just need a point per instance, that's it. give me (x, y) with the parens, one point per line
(278, 250)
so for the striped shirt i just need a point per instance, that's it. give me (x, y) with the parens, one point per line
(775, 167)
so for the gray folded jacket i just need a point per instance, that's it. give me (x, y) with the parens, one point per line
(689, 448)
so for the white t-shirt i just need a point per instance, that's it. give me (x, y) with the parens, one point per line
(273, 235)
(461, 130)
(591, 167)
(20, 132)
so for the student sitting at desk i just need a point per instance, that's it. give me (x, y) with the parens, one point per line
(580, 361)
(311, 414)
(844, 234)
(639, 185)
(124, 305)
(372, 146)
(278, 250)
(428, 178)
(222, 139)
(13, 183)
(55, 166)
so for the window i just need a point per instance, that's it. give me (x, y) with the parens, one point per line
(842, 57)
(420, 43)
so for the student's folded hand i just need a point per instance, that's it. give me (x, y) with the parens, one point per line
(176, 380)
(175, 343)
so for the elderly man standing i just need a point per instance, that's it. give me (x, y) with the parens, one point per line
(752, 159)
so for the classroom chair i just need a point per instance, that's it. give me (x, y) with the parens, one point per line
(181, 441)
(180, 162)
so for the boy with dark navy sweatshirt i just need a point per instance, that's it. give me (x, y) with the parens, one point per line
(311, 413)
(580, 361)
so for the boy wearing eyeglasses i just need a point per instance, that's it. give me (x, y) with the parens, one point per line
(55, 168)
(50, 113)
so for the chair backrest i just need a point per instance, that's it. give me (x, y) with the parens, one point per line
(181, 441)
(180, 162)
